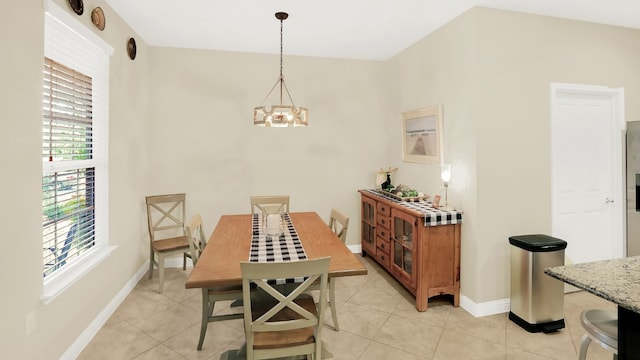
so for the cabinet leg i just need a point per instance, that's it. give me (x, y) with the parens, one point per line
(422, 302)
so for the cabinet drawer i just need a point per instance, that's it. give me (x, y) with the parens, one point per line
(382, 244)
(382, 257)
(383, 233)
(384, 221)
(383, 209)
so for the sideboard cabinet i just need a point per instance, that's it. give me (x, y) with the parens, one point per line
(417, 244)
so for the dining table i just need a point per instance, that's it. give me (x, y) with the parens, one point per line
(618, 281)
(235, 239)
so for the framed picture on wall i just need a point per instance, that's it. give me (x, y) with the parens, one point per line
(422, 135)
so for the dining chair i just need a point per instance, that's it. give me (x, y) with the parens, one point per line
(272, 204)
(210, 296)
(602, 327)
(283, 323)
(166, 221)
(339, 224)
(195, 234)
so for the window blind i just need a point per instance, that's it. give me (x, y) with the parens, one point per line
(68, 190)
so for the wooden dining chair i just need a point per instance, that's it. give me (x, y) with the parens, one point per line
(270, 204)
(283, 323)
(197, 240)
(166, 221)
(210, 296)
(339, 223)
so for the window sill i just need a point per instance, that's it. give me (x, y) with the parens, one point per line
(58, 283)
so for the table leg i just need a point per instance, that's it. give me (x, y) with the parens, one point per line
(628, 334)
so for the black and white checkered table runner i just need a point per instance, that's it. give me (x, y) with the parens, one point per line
(279, 248)
(432, 216)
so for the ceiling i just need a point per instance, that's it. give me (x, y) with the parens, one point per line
(352, 29)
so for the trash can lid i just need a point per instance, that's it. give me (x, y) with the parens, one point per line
(538, 242)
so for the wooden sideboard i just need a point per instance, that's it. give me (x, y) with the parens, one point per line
(417, 244)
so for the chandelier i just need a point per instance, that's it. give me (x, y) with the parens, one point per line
(280, 115)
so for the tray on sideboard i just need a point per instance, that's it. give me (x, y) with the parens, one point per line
(403, 198)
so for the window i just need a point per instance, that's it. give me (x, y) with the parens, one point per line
(74, 150)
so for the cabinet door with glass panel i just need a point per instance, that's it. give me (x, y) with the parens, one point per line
(368, 226)
(404, 254)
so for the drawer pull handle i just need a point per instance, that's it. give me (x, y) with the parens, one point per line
(382, 233)
(382, 222)
(382, 257)
(382, 246)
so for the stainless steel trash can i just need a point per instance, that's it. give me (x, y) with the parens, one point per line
(537, 299)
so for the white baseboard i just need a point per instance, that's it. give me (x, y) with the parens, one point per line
(485, 308)
(87, 335)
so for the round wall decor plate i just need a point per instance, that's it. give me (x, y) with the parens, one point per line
(97, 18)
(77, 6)
(131, 48)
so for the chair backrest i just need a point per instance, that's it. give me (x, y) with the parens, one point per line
(277, 313)
(339, 223)
(195, 233)
(270, 204)
(165, 215)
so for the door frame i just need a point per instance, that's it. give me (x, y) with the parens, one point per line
(617, 133)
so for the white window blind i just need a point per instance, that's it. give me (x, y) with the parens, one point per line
(68, 196)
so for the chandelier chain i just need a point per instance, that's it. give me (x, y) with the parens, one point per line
(281, 20)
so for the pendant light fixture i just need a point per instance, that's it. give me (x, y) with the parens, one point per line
(280, 115)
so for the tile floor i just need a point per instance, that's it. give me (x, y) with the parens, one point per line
(377, 321)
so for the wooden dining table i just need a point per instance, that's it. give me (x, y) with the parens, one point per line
(230, 242)
(219, 264)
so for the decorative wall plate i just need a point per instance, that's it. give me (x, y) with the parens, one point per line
(97, 18)
(77, 6)
(131, 48)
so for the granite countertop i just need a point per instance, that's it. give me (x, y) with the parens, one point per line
(615, 280)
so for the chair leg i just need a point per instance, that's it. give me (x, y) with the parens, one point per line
(332, 304)
(184, 261)
(207, 308)
(151, 257)
(584, 345)
(161, 271)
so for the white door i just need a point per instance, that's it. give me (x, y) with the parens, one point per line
(587, 125)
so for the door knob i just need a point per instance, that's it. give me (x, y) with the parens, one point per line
(608, 201)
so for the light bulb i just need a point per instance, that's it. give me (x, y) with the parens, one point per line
(445, 172)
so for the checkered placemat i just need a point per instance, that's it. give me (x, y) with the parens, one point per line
(279, 248)
(432, 216)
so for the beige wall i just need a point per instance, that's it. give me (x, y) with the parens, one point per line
(59, 323)
(492, 70)
(440, 69)
(203, 141)
(181, 121)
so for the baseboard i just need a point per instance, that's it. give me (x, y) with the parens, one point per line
(87, 335)
(356, 249)
(485, 308)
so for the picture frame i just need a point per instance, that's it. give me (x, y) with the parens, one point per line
(436, 201)
(422, 135)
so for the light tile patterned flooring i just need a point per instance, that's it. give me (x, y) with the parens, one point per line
(377, 318)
